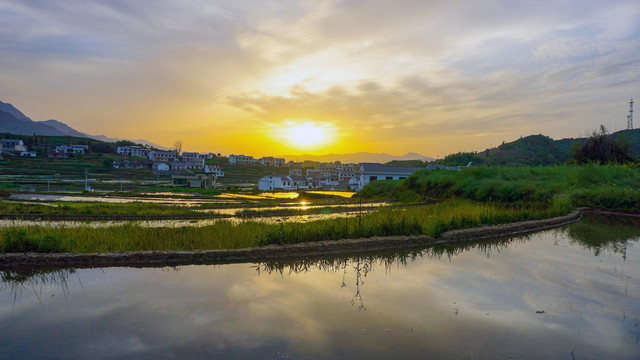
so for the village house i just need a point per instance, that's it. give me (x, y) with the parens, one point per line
(272, 161)
(160, 166)
(206, 156)
(214, 169)
(165, 156)
(374, 171)
(189, 156)
(187, 165)
(250, 160)
(79, 149)
(295, 171)
(346, 172)
(28, 153)
(289, 182)
(134, 150)
(72, 149)
(56, 154)
(329, 170)
(195, 156)
(132, 164)
(242, 160)
(10, 144)
(201, 181)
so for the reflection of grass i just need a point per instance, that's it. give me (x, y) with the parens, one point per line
(599, 233)
(431, 220)
(16, 281)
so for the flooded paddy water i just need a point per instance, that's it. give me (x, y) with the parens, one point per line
(572, 292)
(228, 205)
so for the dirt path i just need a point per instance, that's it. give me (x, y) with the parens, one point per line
(15, 261)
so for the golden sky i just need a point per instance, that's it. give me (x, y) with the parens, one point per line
(293, 77)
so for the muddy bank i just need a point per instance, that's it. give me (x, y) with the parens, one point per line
(15, 261)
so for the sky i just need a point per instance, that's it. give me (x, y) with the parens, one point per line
(292, 77)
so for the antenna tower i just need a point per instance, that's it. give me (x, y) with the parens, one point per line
(630, 116)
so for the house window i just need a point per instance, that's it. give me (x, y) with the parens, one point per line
(389, 178)
(402, 177)
(371, 178)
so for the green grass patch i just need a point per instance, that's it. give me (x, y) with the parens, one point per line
(80, 208)
(432, 220)
(612, 186)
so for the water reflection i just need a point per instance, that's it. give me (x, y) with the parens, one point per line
(541, 296)
(605, 233)
(34, 281)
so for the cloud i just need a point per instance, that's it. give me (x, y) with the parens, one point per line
(415, 68)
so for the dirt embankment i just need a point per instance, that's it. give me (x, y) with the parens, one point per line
(272, 252)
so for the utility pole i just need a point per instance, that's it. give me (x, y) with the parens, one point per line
(630, 116)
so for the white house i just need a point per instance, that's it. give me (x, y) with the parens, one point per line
(214, 169)
(289, 182)
(242, 160)
(272, 161)
(79, 148)
(189, 156)
(165, 156)
(160, 166)
(374, 171)
(10, 144)
(187, 165)
(134, 151)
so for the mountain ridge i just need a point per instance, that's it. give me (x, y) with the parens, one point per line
(12, 120)
(358, 157)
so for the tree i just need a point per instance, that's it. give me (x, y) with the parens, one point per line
(177, 146)
(601, 148)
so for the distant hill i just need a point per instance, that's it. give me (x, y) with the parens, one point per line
(14, 121)
(534, 150)
(358, 157)
(9, 123)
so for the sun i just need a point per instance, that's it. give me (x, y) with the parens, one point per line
(307, 135)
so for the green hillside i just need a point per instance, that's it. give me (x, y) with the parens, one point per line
(533, 150)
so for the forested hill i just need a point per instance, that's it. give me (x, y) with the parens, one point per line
(529, 150)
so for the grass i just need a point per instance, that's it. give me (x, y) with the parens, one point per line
(430, 220)
(612, 187)
(80, 208)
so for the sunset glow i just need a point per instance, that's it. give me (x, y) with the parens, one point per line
(305, 136)
(276, 78)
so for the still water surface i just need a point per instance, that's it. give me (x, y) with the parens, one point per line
(558, 294)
